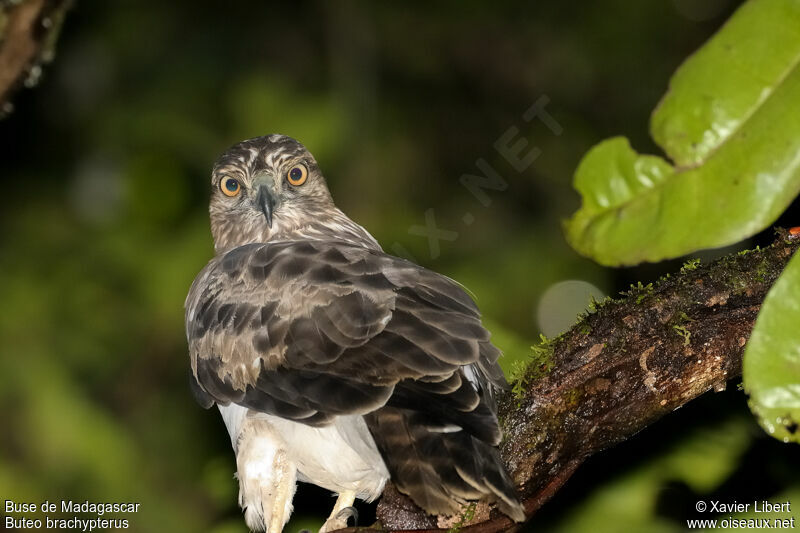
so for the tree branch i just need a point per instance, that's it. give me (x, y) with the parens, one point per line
(616, 371)
(28, 31)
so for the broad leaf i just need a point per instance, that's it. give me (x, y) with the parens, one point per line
(772, 358)
(731, 124)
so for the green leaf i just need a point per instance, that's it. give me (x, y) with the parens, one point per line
(772, 358)
(714, 93)
(730, 122)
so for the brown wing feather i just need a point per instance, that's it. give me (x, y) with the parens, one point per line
(325, 328)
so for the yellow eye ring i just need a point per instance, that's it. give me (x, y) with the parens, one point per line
(297, 175)
(230, 186)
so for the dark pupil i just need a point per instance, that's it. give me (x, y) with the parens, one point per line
(295, 173)
(232, 185)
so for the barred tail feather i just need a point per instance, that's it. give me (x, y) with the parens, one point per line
(441, 468)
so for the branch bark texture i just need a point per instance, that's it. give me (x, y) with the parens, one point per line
(619, 369)
(28, 30)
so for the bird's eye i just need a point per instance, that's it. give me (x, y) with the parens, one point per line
(297, 175)
(230, 186)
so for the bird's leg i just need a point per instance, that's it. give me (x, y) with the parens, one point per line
(267, 478)
(342, 509)
(281, 494)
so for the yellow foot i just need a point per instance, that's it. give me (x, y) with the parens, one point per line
(342, 511)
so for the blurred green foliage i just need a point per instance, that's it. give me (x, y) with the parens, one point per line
(104, 214)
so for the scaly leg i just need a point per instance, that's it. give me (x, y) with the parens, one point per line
(285, 483)
(338, 519)
(267, 478)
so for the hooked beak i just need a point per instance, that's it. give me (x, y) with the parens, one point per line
(265, 202)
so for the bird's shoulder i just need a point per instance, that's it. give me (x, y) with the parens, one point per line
(318, 269)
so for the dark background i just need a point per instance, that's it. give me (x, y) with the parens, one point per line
(104, 215)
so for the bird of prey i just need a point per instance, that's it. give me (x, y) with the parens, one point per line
(331, 361)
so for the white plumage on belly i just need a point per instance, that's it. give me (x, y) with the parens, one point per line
(339, 457)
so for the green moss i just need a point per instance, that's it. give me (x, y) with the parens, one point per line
(595, 305)
(465, 518)
(640, 291)
(541, 359)
(573, 397)
(690, 265)
(683, 332)
(539, 365)
(517, 379)
(745, 252)
(762, 270)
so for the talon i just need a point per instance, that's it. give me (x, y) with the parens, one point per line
(347, 513)
(339, 520)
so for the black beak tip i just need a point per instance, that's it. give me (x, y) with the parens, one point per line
(266, 203)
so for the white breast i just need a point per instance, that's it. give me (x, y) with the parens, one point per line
(338, 457)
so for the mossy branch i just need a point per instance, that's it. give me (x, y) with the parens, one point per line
(619, 369)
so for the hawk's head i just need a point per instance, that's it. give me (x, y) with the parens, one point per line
(264, 189)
